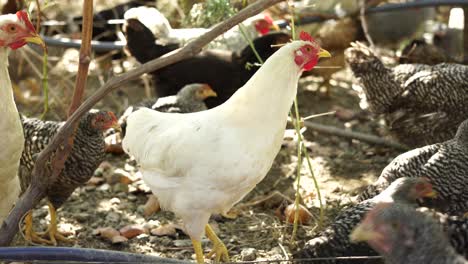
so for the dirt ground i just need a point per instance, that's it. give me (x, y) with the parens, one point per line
(341, 166)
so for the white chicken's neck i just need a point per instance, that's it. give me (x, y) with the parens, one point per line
(270, 92)
(6, 92)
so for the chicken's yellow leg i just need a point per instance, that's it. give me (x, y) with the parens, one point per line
(29, 234)
(198, 251)
(52, 231)
(219, 249)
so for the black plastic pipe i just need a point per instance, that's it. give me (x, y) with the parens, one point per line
(78, 255)
(108, 46)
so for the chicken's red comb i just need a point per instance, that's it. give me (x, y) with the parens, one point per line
(306, 36)
(268, 18)
(23, 16)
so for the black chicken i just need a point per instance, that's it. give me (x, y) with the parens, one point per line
(86, 155)
(422, 104)
(446, 166)
(334, 242)
(224, 71)
(402, 235)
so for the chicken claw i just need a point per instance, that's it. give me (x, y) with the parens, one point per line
(219, 249)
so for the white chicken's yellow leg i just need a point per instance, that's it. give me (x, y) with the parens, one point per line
(29, 234)
(52, 231)
(198, 251)
(219, 249)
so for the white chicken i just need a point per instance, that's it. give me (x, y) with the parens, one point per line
(15, 31)
(199, 164)
(231, 40)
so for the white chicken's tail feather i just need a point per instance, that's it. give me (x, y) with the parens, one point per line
(140, 124)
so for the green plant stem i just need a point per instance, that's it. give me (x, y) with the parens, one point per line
(297, 126)
(244, 35)
(45, 84)
(319, 196)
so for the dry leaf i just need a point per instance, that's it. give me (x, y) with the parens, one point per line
(118, 239)
(106, 232)
(164, 230)
(132, 231)
(152, 206)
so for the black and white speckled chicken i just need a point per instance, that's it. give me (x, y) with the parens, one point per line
(334, 242)
(444, 164)
(402, 235)
(422, 104)
(86, 155)
(456, 228)
(419, 51)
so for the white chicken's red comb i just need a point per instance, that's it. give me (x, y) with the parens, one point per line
(306, 36)
(23, 16)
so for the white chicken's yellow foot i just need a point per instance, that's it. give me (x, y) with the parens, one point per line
(219, 249)
(52, 231)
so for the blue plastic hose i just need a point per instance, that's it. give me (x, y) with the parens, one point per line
(77, 255)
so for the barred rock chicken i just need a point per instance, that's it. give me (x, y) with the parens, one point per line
(402, 235)
(232, 40)
(456, 228)
(86, 155)
(419, 51)
(445, 164)
(334, 242)
(188, 100)
(15, 31)
(422, 104)
(202, 163)
(224, 71)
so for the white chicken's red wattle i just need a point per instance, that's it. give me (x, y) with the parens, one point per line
(203, 163)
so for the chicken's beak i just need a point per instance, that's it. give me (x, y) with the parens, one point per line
(209, 92)
(274, 27)
(323, 53)
(431, 194)
(36, 39)
(116, 126)
(361, 233)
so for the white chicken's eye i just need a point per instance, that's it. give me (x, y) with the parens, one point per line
(11, 28)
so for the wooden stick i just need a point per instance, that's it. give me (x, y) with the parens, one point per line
(353, 135)
(36, 190)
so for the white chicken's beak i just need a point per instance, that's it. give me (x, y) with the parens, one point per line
(36, 39)
(323, 53)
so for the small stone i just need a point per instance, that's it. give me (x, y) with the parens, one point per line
(90, 188)
(120, 187)
(114, 200)
(248, 254)
(113, 217)
(82, 217)
(182, 242)
(104, 188)
(132, 198)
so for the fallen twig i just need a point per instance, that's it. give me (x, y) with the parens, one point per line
(36, 190)
(353, 135)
